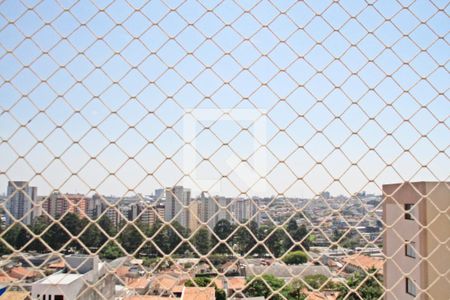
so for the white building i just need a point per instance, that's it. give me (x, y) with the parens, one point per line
(77, 281)
(245, 209)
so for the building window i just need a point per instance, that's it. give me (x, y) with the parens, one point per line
(409, 249)
(59, 297)
(410, 287)
(408, 215)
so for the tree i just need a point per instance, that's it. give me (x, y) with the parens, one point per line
(294, 291)
(106, 224)
(55, 236)
(370, 289)
(317, 281)
(37, 227)
(264, 286)
(199, 282)
(276, 242)
(244, 238)
(3, 248)
(301, 235)
(223, 230)
(111, 251)
(17, 236)
(295, 258)
(130, 238)
(168, 238)
(74, 225)
(93, 237)
(201, 241)
(297, 234)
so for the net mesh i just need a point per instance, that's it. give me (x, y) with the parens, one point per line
(224, 149)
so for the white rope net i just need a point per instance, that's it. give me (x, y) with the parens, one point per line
(224, 149)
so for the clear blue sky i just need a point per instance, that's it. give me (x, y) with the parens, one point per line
(351, 85)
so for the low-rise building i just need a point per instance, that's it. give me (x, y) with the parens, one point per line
(85, 277)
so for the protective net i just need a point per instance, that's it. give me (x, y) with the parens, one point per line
(224, 149)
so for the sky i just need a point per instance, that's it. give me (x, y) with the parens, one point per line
(229, 97)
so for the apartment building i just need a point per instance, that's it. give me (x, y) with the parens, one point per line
(177, 203)
(417, 240)
(21, 202)
(58, 204)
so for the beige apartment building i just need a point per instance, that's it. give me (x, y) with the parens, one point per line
(417, 240)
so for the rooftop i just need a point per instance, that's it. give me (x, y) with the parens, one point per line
(288, 271)
(15, 295)
(23, 273)
(364, 262)
(138, 283)
(60, 278)
(197, 293)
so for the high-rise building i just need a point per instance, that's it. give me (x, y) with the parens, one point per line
(245, 209)
(213, 209)
(416, 240)
(194, 215)
(21, 202)
(94, 206)
(58, 204)
(147, 214)
(177, 205)
(160, 195)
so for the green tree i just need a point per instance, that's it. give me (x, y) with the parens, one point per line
(111, 251)
(276, 242)
(105, 223)
(316, 281)
(223, 230)
(264, 286)
(17, 236)
(130, 238)
(295, 258)
(294, 290)
(3, 248)
(169, 238)
(201, 241)
(72, 223)
(370, 289)
(56, 237)
(244, 238)
(92, 237)
(37, 227)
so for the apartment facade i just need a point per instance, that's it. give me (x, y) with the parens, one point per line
(177, 203)
(58, 204)
(416, 240)
(21, 202)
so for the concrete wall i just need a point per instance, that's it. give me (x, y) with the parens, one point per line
(429, 229)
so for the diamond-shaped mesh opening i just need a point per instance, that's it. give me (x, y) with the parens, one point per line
(224, 149)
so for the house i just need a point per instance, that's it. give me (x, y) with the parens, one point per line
(24, 274)
(287, 271)
(15, 295)
(231, 285)
(198, 293)
(74, 282)
(360, 262)
(139, 285)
